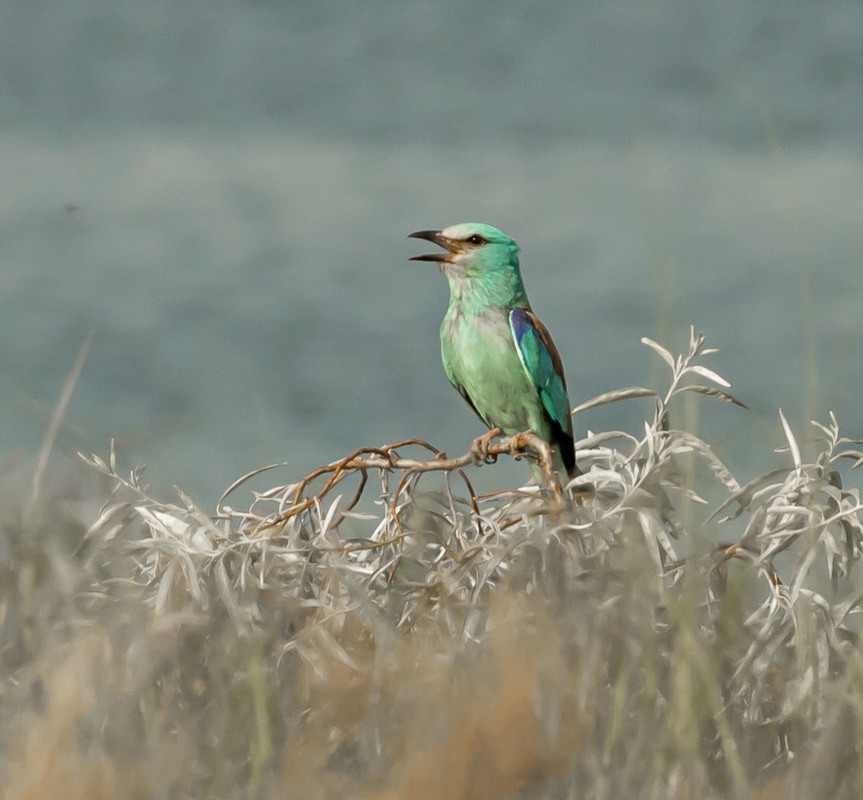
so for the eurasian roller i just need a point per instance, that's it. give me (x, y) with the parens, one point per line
(495, 351)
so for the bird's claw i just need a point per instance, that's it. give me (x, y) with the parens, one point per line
(480, 446)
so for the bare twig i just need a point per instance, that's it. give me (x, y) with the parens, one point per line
(54, 425)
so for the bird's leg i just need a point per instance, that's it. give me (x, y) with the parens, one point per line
(479, 446)
(544, 466)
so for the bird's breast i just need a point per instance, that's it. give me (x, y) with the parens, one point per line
(480, 358)
(475, 337)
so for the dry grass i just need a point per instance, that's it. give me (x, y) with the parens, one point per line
(377, 632)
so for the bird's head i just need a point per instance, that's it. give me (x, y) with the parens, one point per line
(478, 260)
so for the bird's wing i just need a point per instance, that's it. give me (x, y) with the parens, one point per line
(542, 362)
(463, 392)
(459, 387)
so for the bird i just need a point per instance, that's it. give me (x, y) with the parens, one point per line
(495, 351)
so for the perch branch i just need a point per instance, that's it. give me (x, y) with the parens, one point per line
(387, 458)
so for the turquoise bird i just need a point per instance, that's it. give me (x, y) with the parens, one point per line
(495, 351)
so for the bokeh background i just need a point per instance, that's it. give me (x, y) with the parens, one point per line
(221, 191)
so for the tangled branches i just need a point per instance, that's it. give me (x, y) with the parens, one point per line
(295, 499)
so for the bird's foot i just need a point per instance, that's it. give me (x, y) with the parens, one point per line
(522, 443)
(480, 446)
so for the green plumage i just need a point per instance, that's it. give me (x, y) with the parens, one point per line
(495, 351)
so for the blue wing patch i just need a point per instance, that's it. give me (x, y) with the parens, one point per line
(542, 362)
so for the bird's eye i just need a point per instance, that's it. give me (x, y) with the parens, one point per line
(476, 239)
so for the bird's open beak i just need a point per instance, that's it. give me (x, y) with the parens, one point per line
(438, 238)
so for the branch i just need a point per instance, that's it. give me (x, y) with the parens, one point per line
(387, 458)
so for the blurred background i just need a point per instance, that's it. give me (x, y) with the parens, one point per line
(221, 191)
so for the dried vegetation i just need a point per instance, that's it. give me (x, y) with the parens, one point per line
(380, 630)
